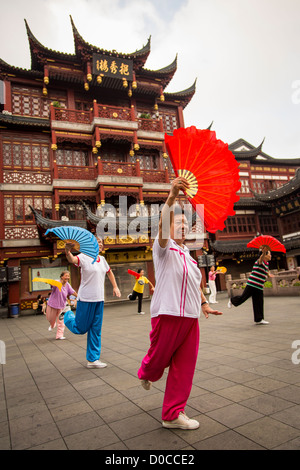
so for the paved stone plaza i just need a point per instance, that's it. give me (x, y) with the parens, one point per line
(246, 392)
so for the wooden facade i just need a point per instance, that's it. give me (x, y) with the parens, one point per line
(77, 132)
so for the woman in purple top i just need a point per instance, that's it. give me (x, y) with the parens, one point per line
(57, 302)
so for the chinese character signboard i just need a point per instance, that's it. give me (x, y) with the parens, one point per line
(288, 207)
(116, 67)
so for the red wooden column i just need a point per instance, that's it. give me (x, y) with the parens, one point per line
(180, 116)
(13, 287)
(7, 96)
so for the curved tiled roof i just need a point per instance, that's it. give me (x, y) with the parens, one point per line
(290, 187)
(81, 43)
(185, 95)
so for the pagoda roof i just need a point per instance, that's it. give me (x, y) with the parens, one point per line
(84, 49)
(12, 70)
(24, 120)
(233, 246)
(184, 96)
(39, 53)
(46, 223)
(242, 150)
(287, 189)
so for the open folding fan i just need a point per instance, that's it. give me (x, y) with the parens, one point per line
(52, 282)
(222, 269)
(211, 171)
(133, 273)
(84, 241)
(267, 240)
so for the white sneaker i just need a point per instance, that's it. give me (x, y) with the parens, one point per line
(141, 313)
(262, 322)
(62, 337)
(229, 305)
(96, 365)
(182, 422)
(128, 296)
(50, 327)
(146, 384)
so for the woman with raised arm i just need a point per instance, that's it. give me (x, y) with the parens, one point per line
(90, 302)
(175, 310)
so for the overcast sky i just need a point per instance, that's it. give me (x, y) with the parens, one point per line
(245, 55)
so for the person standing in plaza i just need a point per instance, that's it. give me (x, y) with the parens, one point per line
(138, 290)
(57, 302)
(175, 310)
(212, 285)
(90, 302)
(255, 287)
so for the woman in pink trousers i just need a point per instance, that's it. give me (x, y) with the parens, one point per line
(175, 310)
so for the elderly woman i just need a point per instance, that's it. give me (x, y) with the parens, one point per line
(89, 312)
(175, 310)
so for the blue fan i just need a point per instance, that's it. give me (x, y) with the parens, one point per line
(83, 240)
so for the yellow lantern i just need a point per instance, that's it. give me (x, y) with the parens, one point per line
(46, 80)
(98, 143)
(134, 85)
(94, 150)
(86, 86)
(99, 79)
(136, 147)
(89, 77)
(125, 83)
(45, 92)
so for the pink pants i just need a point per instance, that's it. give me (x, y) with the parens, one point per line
(174, 344)
(52, 317)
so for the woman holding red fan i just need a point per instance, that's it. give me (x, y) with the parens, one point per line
(175, 310)
(255, 287)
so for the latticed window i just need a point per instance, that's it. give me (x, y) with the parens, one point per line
(240, 224)
(29, 101)
(148, 160)
(17, 208)
(71, 211)
(25, 155)
(268, 224)
(70, 157)
(244, 187)
(291, 223)
(169, 118)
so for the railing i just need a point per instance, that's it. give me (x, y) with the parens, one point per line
(110, 168)
(119, 168)
(113, 112)
(71, 115)
(106, 112)
(151, 125)
(75, 172)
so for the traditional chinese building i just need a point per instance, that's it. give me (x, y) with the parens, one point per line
(77, 131)
(80, 131)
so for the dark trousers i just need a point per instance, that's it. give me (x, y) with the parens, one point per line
(138, 295)
(257, 301)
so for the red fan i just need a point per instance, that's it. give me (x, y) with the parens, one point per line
(266, 240)
(133, 273)
(211, 171)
